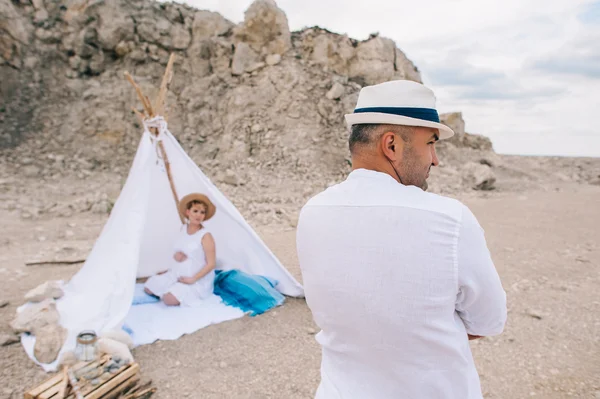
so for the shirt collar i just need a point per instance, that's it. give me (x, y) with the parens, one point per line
(371, 174)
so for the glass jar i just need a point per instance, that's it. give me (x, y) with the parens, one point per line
(86, 346)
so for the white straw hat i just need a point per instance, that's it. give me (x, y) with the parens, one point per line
(398, 102)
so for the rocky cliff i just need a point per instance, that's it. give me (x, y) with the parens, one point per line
(248, 93)
(258, 107)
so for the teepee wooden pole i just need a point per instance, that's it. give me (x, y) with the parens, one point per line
(139, 114)
(163, 153)
(159, 104)
(145, 101)
(158, 110)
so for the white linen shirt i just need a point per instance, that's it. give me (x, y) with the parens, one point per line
(395, 278)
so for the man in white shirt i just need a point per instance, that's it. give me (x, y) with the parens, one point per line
(397, 279)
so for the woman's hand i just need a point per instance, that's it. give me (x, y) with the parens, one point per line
(180, 256)
(186, 280)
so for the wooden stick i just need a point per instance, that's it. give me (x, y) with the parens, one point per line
(145, 393)
(54, 262)
(124, 386)
(159, 105)
(139, 114)
(52, 382)
(74, 384)
(152, 113)
(35, 392)
(108, 386)
(98, 367)
(140, 394)
(142, 97)
(62, 393)
(171, 183)
(142, 386)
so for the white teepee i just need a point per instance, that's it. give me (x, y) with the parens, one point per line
(137, 241)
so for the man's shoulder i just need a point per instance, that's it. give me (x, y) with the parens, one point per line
(395, 195)
(325, 197)
(416, 198)
(337, 194)
(444, 201)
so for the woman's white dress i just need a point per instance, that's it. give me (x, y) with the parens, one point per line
(186, 294)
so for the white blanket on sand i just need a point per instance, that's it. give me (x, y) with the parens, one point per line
(155, 321)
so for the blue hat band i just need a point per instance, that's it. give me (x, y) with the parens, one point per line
(427, 114)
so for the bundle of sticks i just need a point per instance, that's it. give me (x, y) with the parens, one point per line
(106, 378)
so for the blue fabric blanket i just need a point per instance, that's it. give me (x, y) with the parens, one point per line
(251, 293)
(140, 297)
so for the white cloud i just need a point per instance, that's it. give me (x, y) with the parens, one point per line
(580, 56)
(525, 73)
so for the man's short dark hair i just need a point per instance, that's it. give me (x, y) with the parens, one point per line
(368, 133)
(361, 134)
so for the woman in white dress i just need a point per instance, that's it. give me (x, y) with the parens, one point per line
(191, 277)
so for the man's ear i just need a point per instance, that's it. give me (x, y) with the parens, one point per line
(391, 146)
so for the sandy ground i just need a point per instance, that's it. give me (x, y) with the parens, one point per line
(546, 248)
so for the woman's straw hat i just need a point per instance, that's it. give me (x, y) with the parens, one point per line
(210, 211)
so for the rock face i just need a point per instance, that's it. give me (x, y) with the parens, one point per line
(244, 59)
(208, 24)
(336, 92)
(13, 35)
(477, 142)
(259, 108)
(372, 61)
(454, 121)
(265, 28)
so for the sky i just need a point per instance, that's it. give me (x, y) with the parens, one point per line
(525, 73)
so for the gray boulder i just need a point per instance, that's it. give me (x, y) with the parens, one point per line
(48, 342)
(47, 290)
(478, 176)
